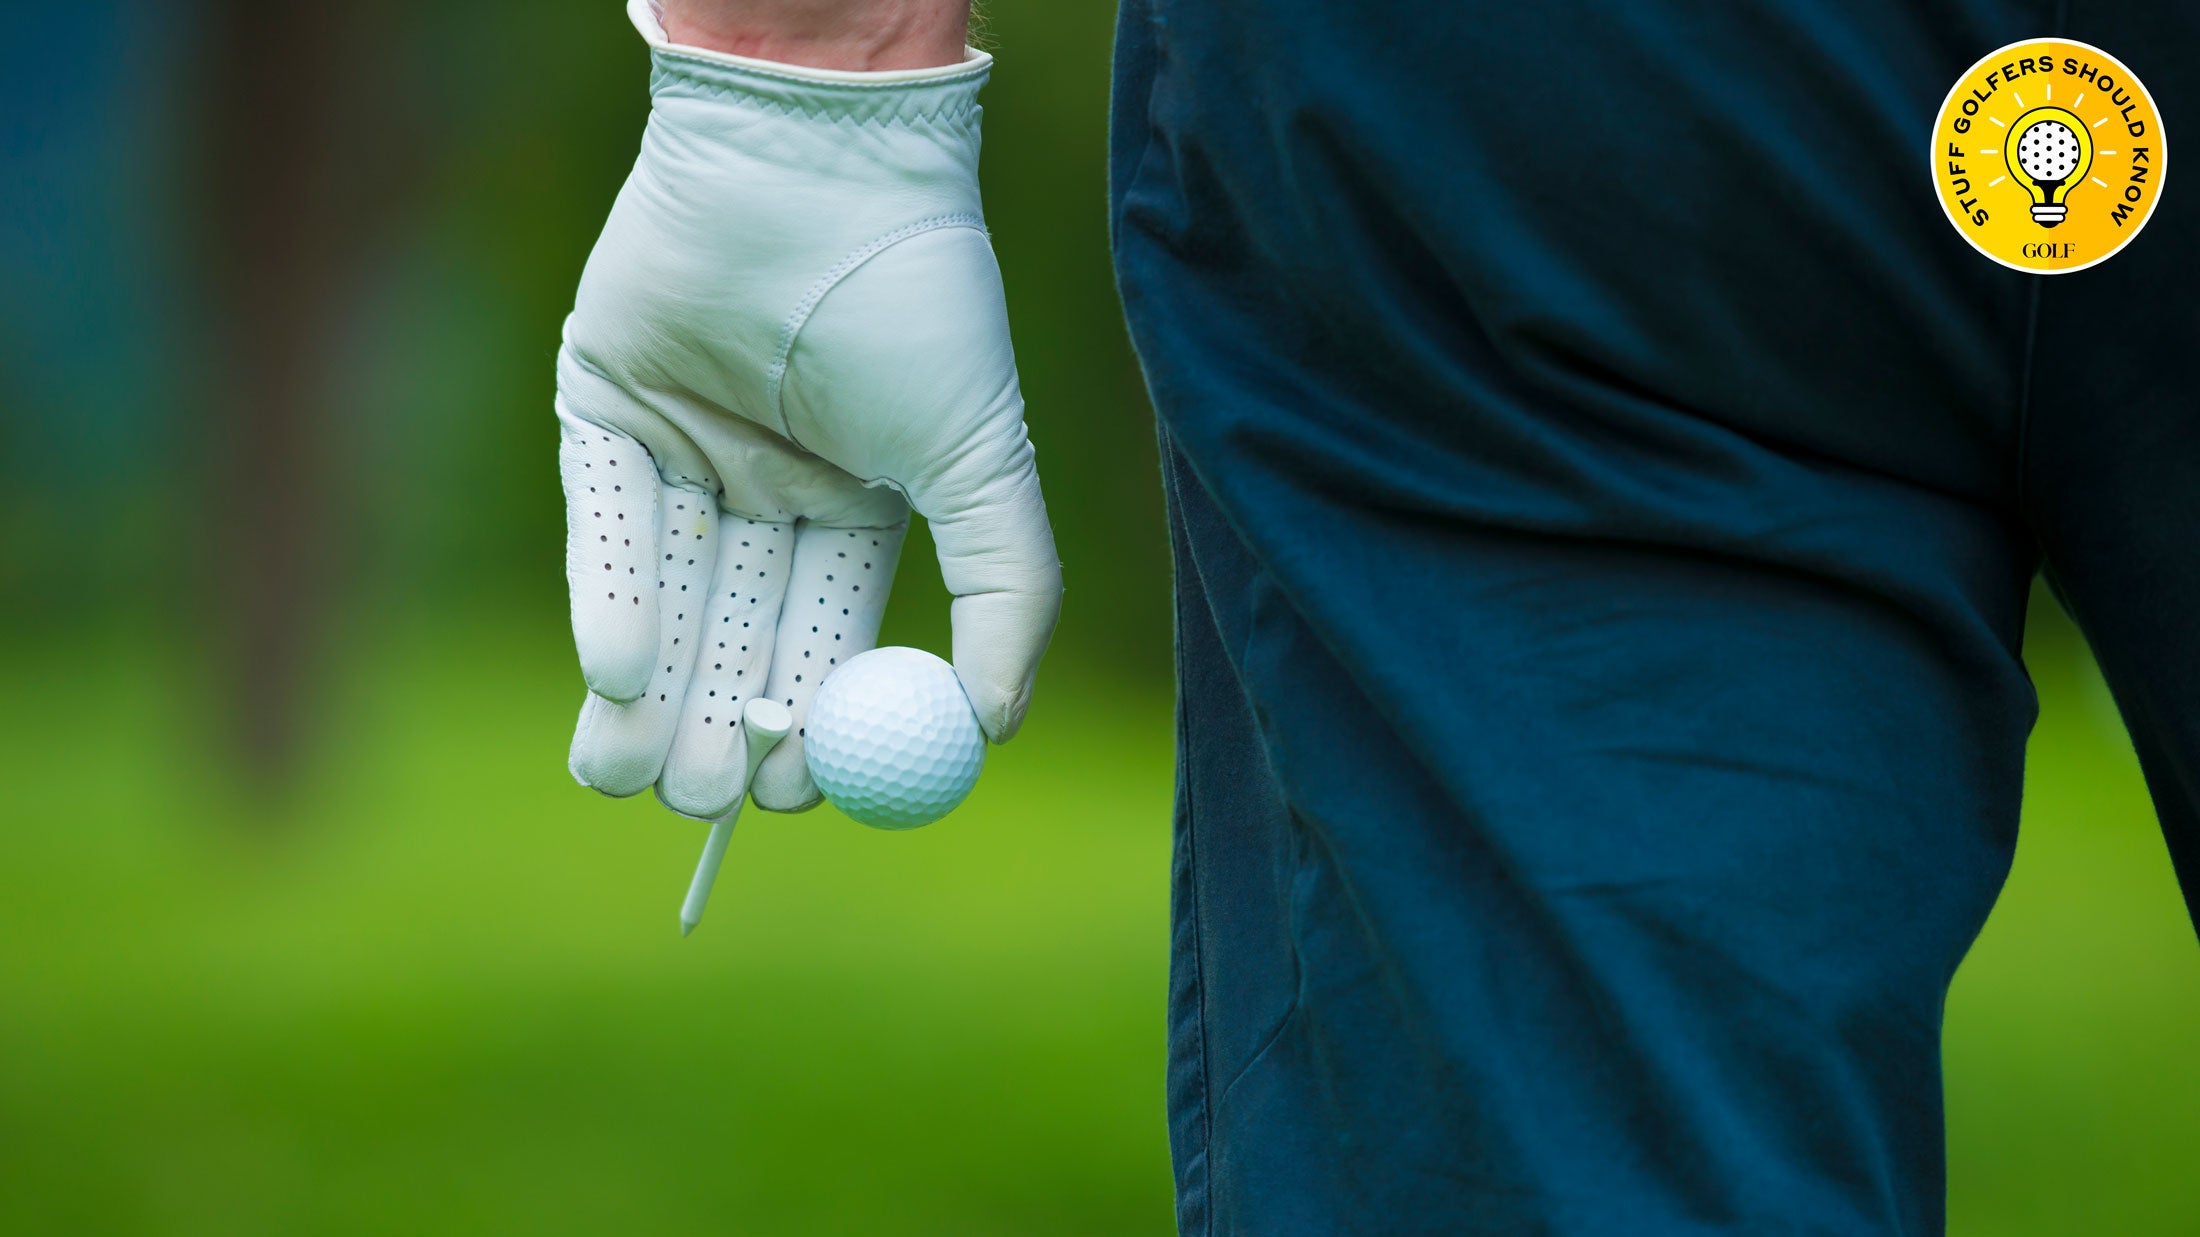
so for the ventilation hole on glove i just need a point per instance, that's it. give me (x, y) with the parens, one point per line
(630, 571)
(611, 596)
(744, 648)
(617, 488)
(604, 538)
(713, 693)
(592, 489)
(683, 506)
(660, 583)
(843, 554)
(867, 566)
(607, 566)
(668, 558)
(844, 609)
(790, 702)
(798, 678)
(622, 515)
(683, 616)
(836, 635)
(740, 673)
(821, 601)
(698, 536)
(691, 562)
(683, 588)
(599, 515)
(706, 721)
(874, 543)
(813, 630)
(668, 670)
(607, 438)
(855, 588)
(832, 661)
(718, 665)
(744, 543)
(626, 541)
(614, 463)
(805, 654)
(676, 639)
(828, 579)
(637, 601)
(660, 696)
(799, 733)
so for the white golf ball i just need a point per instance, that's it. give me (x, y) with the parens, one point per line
(892, 739)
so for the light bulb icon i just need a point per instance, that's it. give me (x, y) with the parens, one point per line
(2048, 151)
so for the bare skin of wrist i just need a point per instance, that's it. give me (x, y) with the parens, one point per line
(826, 34)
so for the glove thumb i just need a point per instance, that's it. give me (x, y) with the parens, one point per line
(997, 557)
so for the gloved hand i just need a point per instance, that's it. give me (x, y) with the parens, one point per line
(790, 332)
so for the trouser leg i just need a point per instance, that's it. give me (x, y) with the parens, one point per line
(1634, 916)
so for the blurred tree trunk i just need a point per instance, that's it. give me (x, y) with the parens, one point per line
(300, 177)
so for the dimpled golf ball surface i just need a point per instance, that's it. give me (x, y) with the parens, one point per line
(892, 740)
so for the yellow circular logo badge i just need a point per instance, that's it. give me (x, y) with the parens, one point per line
(2049, 155)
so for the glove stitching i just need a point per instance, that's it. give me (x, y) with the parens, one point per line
(960, 113)
(916, 120)
(774, 391)
(703, 68)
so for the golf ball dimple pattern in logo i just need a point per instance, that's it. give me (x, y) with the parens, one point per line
(892, 740)
(2048, 151)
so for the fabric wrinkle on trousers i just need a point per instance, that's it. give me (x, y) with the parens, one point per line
(1604, 494)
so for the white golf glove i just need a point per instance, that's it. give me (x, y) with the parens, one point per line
(790, 332)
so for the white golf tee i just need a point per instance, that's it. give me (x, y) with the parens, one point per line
(764, 723)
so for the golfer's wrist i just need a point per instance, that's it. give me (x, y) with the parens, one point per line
(846, 35)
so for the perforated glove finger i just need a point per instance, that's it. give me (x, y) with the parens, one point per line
(610, 528)
(619, 747)
(834, 603)
(702, 774)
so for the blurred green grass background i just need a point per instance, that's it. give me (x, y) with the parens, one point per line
(451, 995)
(314, 935)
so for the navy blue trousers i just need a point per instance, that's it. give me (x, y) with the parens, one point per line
(1605, 494)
